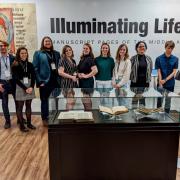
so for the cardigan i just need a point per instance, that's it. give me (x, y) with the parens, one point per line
(134, 68)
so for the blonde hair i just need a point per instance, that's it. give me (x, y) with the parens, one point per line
(64, 51)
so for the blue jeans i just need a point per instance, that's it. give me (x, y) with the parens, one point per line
(167, 99)
(104, 87)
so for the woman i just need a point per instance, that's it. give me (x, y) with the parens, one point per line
(24, 76)
(68, 71)
(105, 65)
(86, 70)
(121, 72)
(141, 67)
(45, 63)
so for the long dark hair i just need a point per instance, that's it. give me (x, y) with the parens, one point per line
(42, 43)
(90, 53)
(18, 58)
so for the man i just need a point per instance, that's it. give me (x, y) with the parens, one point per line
(6, 82)
(166, 64)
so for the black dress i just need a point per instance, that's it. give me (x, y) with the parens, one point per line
(85, 66)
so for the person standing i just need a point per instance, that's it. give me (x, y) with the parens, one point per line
(6, 82)
(68, 72)
(121, 72)
(167, 65)
(45, 63)
(141, 68)
(24, 76)
(86, 71)
(105, 65)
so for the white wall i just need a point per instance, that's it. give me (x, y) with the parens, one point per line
(105, 10)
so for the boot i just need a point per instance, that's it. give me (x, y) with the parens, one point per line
(24, 120)
(7, 124)
(23, 128)
(29, 125)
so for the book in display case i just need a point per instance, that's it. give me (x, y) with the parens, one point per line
(122, 133)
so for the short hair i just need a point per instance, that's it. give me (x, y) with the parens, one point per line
(139, 42)
(170, 44)
(4, 42)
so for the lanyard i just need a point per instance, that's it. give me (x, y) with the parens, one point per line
(5, 61)
(50, 57)
(24, 66)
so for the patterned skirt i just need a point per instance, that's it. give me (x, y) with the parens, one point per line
(21, 95)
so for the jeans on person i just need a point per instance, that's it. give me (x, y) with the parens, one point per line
(167, 105)
(104, 88)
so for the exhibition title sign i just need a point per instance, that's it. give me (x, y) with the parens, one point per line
(120, 26)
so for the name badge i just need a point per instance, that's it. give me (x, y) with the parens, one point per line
(53, 66)
(25, 80)
(7, 74)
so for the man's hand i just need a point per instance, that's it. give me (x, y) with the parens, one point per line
(1, 88)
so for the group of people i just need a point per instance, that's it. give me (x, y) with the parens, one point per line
(50, 70)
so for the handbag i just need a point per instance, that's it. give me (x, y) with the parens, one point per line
(177, 76)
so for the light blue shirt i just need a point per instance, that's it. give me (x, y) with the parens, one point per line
(5, 66)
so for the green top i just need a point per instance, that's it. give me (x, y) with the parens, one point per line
(105, 66)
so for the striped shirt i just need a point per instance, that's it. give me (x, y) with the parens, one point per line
(69, 68)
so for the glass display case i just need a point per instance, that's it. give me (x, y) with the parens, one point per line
(123, 105)
(114, 134)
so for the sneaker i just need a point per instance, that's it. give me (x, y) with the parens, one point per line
(7, 125)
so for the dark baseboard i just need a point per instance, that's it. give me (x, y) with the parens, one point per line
(14, 114)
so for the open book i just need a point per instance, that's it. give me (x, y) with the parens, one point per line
(77, 116)
(114, 110)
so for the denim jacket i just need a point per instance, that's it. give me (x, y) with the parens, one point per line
(42, 67)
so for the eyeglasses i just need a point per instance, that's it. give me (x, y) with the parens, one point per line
(3, 45)
(141, 46)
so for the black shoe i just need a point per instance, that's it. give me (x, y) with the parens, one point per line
(23, 128)
(30, 126)
(45, 123)
(24, 120)
(7, 125)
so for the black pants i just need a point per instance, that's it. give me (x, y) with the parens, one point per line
(45, 92)
(8, 89)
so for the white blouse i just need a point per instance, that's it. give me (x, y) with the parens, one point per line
(122, 71)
